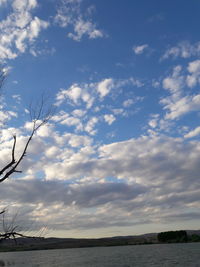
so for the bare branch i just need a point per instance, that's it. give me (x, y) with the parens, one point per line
(13, 158)
(1, 212)
(13, 235)
(40, 116)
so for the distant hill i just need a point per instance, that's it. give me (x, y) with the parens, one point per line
(39, 243)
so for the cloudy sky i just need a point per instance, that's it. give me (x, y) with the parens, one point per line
(121, 155)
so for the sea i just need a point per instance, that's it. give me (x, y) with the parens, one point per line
(183, 255)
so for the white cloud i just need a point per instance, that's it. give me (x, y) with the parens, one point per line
(90, 126)
(153, 123)
(70, 14)
(146, 161)
(78, 140)
(70, 140)
(67, 12)
(194, 66)
(91, 93)
(140, 49)
(24, 4)
(142, 158)
(20, 29)
(5, 116)
(183, 50)
(78, 112)
(62, 20)
(109, 118)
(180, 103)
(181, 106)
(104, 87)
(86, 99)
(193, 133)
(62, 115)
(175, 82)
(17, 98)
(118, 111)
(194, 77)
(82, 28)
(155, 84)
(76, 94)
(52, 151)
(46, 130)
(72, 121)
(128, 102)
(135, 82)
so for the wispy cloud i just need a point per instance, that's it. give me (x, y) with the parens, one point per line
(138, 50)
(70, 13)
(179, 102)
(86, 100)
(82, 28)
(109, 118)
(193, 133)
(104, 87)
(183, 49)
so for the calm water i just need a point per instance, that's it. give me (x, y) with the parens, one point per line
(187, 255)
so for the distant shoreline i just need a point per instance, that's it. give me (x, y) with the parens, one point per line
(39, 243)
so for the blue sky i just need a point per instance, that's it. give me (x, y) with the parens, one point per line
(121, 154)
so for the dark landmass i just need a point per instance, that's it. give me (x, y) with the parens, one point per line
(39, 243)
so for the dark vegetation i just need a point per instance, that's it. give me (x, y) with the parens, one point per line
(173, 237)
(179, 236)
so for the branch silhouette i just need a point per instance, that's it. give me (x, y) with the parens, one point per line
(40, 114)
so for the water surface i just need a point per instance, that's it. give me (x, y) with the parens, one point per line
(183, 255)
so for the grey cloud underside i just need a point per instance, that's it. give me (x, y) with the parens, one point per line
(50, 192)
(98, 205)
(134, 182)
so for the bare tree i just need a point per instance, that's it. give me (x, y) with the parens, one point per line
(40, 114)
(10, 229)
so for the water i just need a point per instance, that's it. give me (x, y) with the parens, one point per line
(184, 255)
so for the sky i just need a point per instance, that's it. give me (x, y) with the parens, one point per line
(121, 153)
